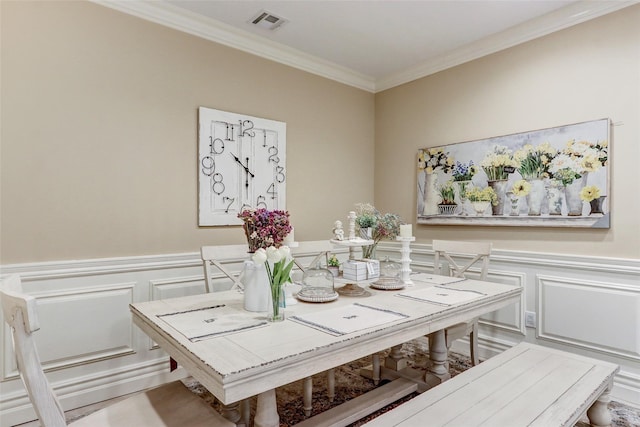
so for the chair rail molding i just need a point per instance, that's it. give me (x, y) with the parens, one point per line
(84, 372)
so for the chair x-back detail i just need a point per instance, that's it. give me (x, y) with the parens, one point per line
(216, 256)
(171, 404)
(461, 257)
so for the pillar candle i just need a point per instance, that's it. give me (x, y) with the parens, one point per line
(405, 230)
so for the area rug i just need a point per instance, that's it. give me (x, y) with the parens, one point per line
(350, 384)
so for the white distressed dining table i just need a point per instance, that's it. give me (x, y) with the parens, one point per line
(254, 361)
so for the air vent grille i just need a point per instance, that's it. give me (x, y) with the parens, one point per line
(267, 20)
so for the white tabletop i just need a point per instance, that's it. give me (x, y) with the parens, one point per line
(243, 364)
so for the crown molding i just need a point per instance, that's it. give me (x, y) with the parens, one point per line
(560, 19)
(210, 29)
(219, 32)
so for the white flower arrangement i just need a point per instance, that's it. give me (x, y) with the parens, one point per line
(590, 156)
(533, 162)
(432, 159)
(497, 163)
(282, 263)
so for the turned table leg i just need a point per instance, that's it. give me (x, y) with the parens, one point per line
(598, 413)
(395, 360)
(267, 410)
(438, 354)
(232, 412)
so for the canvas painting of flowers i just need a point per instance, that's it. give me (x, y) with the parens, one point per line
(554, 177)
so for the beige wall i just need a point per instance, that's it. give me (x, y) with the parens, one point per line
(99, 131)
(99, 134)
(586, 72)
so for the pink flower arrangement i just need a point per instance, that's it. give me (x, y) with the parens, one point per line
(264, 228)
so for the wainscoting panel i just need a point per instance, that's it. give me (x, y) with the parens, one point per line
(176, 287)
(574, 312)
(92, 351)
(105, 309)
(511, 318)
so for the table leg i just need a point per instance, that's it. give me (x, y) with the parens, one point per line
(245, 410)
(438, 353)
(331, 384)
(267, 410)
(395, 360)
(231, 412)
(598, 413)
(375, 369)
(307, 395)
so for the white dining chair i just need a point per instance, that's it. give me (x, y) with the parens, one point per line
(456, 259)
(217, 256)
(171, 404)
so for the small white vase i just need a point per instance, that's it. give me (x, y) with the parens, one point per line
(480, 207)
(430, 194)
(535, 197)
(572, 196)
(554, 196)
(257, 292)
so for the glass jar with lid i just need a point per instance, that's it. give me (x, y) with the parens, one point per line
(390, 272)
(317, 285)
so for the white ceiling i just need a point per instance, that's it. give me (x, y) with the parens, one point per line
(373, 45)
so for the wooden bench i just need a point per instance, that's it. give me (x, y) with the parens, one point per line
(527, 385)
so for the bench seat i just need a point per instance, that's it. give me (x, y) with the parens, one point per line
(527, 385)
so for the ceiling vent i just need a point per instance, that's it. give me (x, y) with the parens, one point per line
(267, 20)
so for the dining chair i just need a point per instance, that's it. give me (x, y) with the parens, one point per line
(456, 259)
(216, 256)
(171, 404)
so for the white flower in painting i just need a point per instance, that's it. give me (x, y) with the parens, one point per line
(563, 161)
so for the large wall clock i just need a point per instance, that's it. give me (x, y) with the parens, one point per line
(241, 164)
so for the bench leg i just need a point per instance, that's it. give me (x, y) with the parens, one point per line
(598, 413)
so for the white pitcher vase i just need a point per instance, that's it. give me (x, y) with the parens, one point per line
(257, 292)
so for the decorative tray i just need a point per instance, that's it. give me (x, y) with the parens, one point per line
(317, 295)
(387, 284)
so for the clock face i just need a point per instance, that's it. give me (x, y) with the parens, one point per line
(241, 164)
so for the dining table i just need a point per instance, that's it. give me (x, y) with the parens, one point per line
(238, 354)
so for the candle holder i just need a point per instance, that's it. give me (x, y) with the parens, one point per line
(405, 260)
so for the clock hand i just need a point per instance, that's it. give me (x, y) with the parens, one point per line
(246, 169)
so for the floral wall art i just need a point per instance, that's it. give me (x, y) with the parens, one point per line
(556, 177)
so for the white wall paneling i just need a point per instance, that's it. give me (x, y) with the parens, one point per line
(574, 312)
(584, 305)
